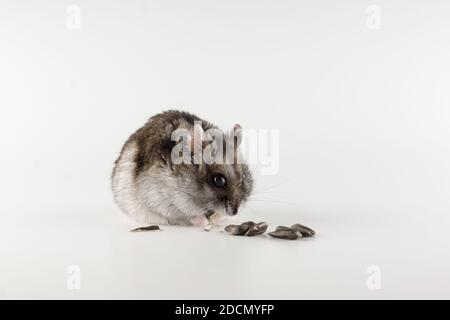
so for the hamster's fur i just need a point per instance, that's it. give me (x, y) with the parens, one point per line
(149, 187)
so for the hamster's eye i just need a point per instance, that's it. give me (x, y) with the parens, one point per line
(220, 181)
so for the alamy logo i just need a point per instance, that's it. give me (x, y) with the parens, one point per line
(212, 146)
(74, 277)
(374, 280)
(373, 21)
(73, 21)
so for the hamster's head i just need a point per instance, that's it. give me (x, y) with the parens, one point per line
(226, 187)
(220, 186)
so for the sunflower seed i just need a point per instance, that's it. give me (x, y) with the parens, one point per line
(248, 228)
(284, 234)
(235, 230)
(283, 228)
(247, 225)
(303, 230)
(148, 228)
(256, 229)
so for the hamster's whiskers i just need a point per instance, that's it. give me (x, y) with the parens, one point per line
(273, 201)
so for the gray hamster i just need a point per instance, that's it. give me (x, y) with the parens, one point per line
(151, 187)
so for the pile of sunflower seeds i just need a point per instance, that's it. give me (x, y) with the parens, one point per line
(251, 228)
(293, 233)
(248, 229)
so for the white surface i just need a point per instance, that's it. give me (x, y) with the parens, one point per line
(364, 157)
(189, 263)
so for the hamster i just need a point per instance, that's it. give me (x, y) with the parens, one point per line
(151, 187)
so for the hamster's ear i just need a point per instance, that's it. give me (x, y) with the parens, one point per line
(237, 134)
(198, 133)
(235, 140)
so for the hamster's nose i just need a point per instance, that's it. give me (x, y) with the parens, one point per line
(235, 208)
(231, 208)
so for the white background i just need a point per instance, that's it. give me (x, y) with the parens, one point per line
(364, 122)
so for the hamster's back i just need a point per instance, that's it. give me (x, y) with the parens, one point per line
(149, 147)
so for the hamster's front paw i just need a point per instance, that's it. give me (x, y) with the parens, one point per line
(217, 218)
(199, 221)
